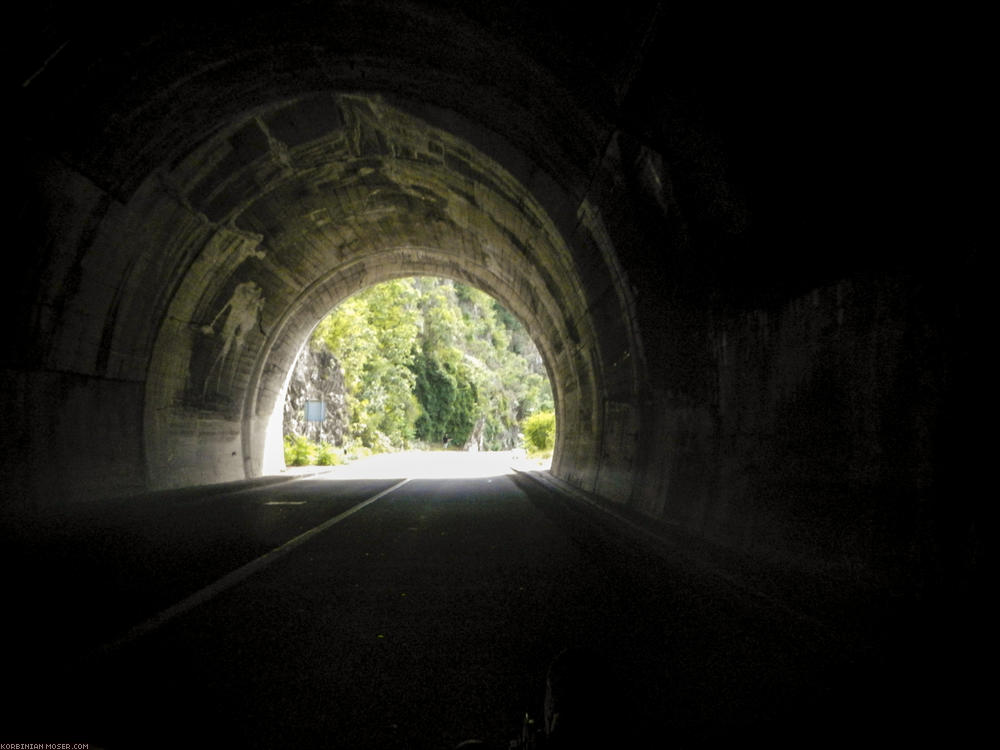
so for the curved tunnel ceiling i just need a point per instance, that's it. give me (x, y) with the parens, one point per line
(677, 203)
(290, 209)
(209, 186)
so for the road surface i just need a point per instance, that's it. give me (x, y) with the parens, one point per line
(328, 612)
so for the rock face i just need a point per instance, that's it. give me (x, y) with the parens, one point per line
(317, 376)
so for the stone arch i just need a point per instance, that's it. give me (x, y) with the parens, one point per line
(290, 209)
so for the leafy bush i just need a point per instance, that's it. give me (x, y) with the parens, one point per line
(540, 432)
(357, 450)
(327, 455)
(298, 450)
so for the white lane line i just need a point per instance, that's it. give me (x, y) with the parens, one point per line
(231, 579)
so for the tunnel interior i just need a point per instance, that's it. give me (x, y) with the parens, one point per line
(690, 213)
(360, 193)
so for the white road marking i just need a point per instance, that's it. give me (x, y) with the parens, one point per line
(231, 579)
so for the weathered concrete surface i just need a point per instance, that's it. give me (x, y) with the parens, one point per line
(696, 218)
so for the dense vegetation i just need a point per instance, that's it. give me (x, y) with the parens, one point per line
(431, 362)
(540, 433)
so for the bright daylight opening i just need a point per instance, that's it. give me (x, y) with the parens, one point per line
(433, 376)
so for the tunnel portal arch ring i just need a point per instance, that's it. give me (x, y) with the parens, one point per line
(336, 192)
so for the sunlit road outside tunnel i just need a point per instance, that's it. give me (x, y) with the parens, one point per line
(434, 465)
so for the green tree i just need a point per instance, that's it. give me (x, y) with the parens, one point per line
(428, 358)
(373, 335)
(449, 400)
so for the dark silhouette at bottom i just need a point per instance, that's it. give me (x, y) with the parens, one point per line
(580, 710)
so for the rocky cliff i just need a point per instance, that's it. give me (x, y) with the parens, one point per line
(317, 376)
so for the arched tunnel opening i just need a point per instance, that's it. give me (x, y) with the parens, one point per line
(762, 358)
(416, 363)
(294, 230)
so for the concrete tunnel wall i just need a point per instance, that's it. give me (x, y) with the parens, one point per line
(728, 360)
(290, 211)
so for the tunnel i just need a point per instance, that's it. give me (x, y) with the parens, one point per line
(354, 214)
(689, 211)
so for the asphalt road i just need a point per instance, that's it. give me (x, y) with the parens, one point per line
(424, 618)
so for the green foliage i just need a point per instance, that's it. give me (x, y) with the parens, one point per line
(373, 335)
(425, 359)
(357, 451)
(328, 455)
(540, 432)
(449, 399)
(299, 450)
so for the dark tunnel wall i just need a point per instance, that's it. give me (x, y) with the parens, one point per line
(689, 212)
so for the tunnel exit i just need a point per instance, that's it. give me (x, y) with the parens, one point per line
(417, 363)
(747, 247)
